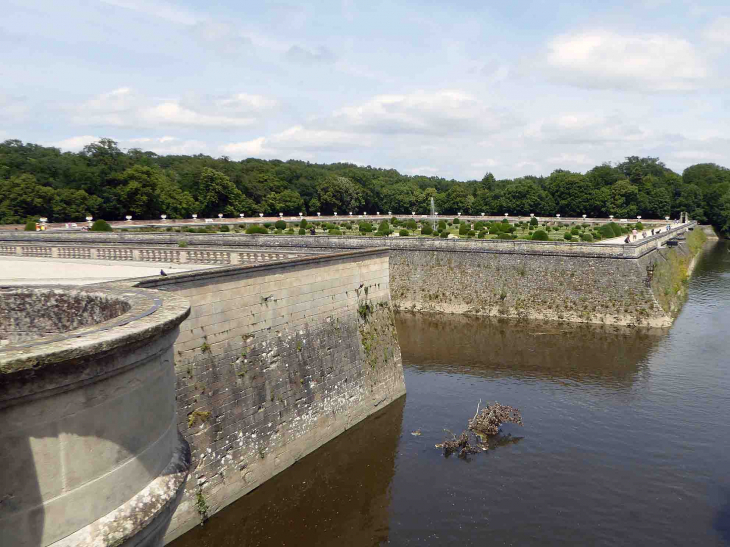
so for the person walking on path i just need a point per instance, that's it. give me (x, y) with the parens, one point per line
(634, 232)
(643, 234)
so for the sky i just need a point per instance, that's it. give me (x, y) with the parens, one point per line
(452, 88)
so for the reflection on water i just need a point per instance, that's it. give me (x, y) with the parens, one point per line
(489, 347)
(626, 441)
(341, 491)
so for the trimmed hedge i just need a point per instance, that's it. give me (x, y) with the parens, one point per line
(587, 237)
(99, 226)
(444, 234)
(256, 230)
(404, 233)
(540, 235)
(29, 226)
(302, 232)
(426, 230)
(280, 225)
(334, 232)
(463, 228)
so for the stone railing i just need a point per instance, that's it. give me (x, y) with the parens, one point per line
(87, 250)
(226, 244)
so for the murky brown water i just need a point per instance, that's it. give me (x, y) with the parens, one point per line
(626, 441)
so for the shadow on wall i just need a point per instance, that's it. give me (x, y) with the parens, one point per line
(342, 490)
(45, 458)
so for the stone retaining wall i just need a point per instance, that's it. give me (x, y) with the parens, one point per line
(274, 361)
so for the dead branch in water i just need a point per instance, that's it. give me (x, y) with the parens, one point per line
(485, 423)
(459, 445)
(491, 418)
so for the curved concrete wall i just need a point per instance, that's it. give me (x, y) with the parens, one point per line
(89, 444)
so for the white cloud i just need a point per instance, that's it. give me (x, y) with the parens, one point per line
(719, 31)
(125, 108)
(300, 55)
(426, 171)
(13, 108)
(161, 10)
(586, 128)
(74, 144)
(602, 59)
(438, 113)
(297, 142)
(222, 37)
(566, 159)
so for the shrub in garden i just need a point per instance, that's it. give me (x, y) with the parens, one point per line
(606, 230)
(290, 231)
(495, 228)
(255, 229)
(426, 230)
(404, 233)
(303, 223)
(540, 235)
(471, 233)
(463, 228)
(587, 237)
(302, 232)
(383, 226)
(394, 221)
(280, 225)
(442, 225)
(334, 232)
(533, 221)
(479, 225)
(98, 226)
(224, 228)
(482, 234)
(29, 226)
(639, 226)
(567, 236)
(365, 228)
(457, 221)
(505, 221)
(411, 225)
(444, 234)
(506, 236)
(574, 231)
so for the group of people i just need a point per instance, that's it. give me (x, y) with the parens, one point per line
(635, 233)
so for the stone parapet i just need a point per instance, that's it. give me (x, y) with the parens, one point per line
(90, 447)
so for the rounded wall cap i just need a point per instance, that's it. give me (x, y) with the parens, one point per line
(149, 314)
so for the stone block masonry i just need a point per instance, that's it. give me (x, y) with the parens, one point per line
(274, 361)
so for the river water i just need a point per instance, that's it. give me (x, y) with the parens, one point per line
(626, 441)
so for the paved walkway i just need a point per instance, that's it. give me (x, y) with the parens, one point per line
(47, 271)
(620, 240)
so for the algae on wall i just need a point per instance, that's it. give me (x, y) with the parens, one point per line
(672, 271)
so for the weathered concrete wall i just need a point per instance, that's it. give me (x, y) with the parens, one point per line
(274, 361)
(89, 444)
(595, 290)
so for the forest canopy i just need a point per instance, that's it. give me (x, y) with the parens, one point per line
(106, 182)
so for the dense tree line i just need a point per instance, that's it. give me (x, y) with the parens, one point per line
(106, 182)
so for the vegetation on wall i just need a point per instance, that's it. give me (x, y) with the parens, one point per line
(106, 182)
